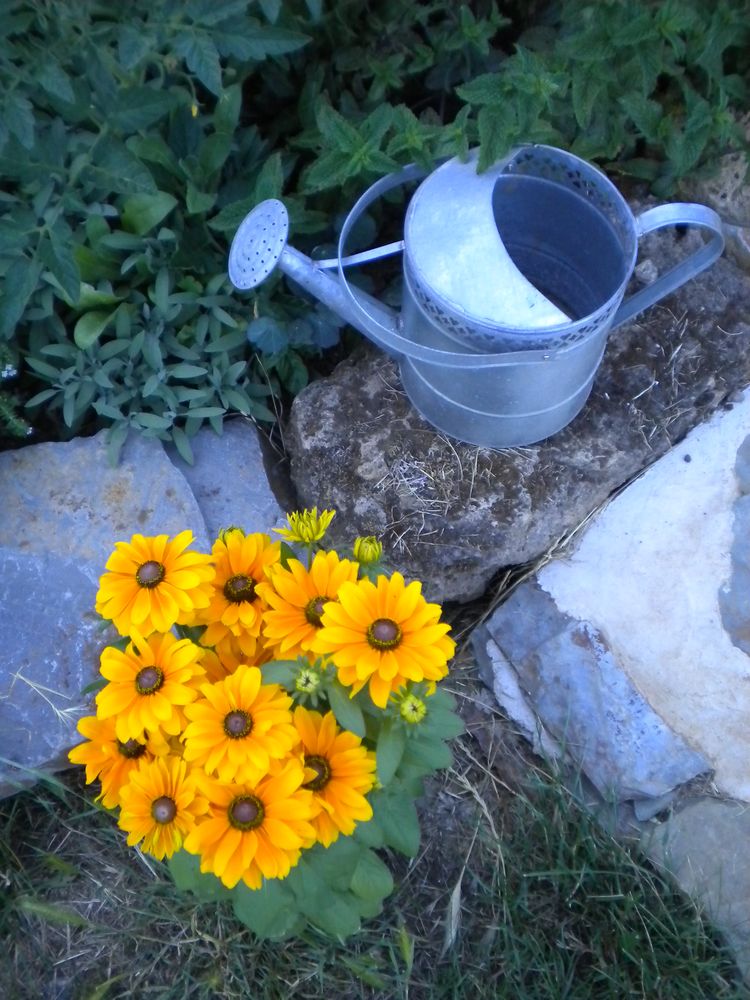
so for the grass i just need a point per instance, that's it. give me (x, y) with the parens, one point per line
(517, 893)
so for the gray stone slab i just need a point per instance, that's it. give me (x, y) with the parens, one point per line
(51, 641)
(584, 699)
(229, 480)
(706, 846)
(67, 500)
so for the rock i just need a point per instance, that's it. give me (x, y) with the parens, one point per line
(705, 847)
(725, 185)
(453, 514)
(649, 575)
(63, 509)
(573, 682)
(228, 479)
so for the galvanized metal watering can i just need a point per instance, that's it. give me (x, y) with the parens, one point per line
(513, 279)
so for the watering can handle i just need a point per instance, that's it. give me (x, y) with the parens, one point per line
(675, 214)
(386, 335)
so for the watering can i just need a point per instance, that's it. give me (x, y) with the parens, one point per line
(513, 279)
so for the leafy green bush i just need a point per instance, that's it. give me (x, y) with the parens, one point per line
(134, 138)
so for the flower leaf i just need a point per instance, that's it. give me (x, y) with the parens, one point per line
(372, 878)
(269, 911)
(389, 750)
(348, 713)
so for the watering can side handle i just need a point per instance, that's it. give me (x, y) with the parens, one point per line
(674, 214)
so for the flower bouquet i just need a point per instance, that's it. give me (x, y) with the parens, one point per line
(267, 719)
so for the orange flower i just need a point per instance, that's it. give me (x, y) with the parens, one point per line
(239, 726)
(160, 805)
(255, 830)
(235, 608)
(111, 760)
(149, 684)
(296, 597)
(153, 583)
(384, 635)
(339, 772)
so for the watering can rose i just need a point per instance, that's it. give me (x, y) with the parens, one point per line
(262, 708)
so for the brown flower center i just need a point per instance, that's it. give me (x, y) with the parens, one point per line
(314, 609)
(150, 574)
(148, 680)
(246, 812)
(238, 724)
(322, 773)
(163, 809)
(131, 749)
(239, 588)
(384, 633)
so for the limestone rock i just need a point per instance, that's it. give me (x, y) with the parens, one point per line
(726, 187)
(453, 514)
(228, 480)
(572, 679)
(705, 847)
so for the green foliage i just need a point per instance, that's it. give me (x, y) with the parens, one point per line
(643, 86)
(134, 138)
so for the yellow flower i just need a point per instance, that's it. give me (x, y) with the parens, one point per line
(153, 583)
(160, 805)
(367, 550)
(110, 759)
(149, 684)
(235, 608)
(296, 596)
(239, 726)
(255, 831)
(306, 527)
(339, 772)
(384, 634)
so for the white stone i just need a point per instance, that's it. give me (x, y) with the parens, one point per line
(648, 572)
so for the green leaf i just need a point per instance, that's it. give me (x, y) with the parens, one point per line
(56, 253)
(187, 371)
(18, 285)
(115, 169)
(141, 212)
(347, 712)
(198, 202)
(281, 672)
(185, 869)
(182, 444)
(152, 421)
(336, 130)
(132, 45)
(487, 90)
(18, 117)
(51, 914)
(270, 180)
(271, 8)
(389, 749)
(229, 218)
(53, 78)
(227, 110)
(269, 912)
(202, 58)
(372, 879)
(90, 327)
(396, 815)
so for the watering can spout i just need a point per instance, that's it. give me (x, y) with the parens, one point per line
(260, 245)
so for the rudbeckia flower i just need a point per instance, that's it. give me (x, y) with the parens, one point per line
(239, 726)
(235, 609)
(307, 526)
(296, 596)
(384, 634)
(339, 772)
(112, 760)
(153, 583)
(149, 684)
(160, 805)
(255, 831)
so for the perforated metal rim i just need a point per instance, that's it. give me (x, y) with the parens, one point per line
(258, 244)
